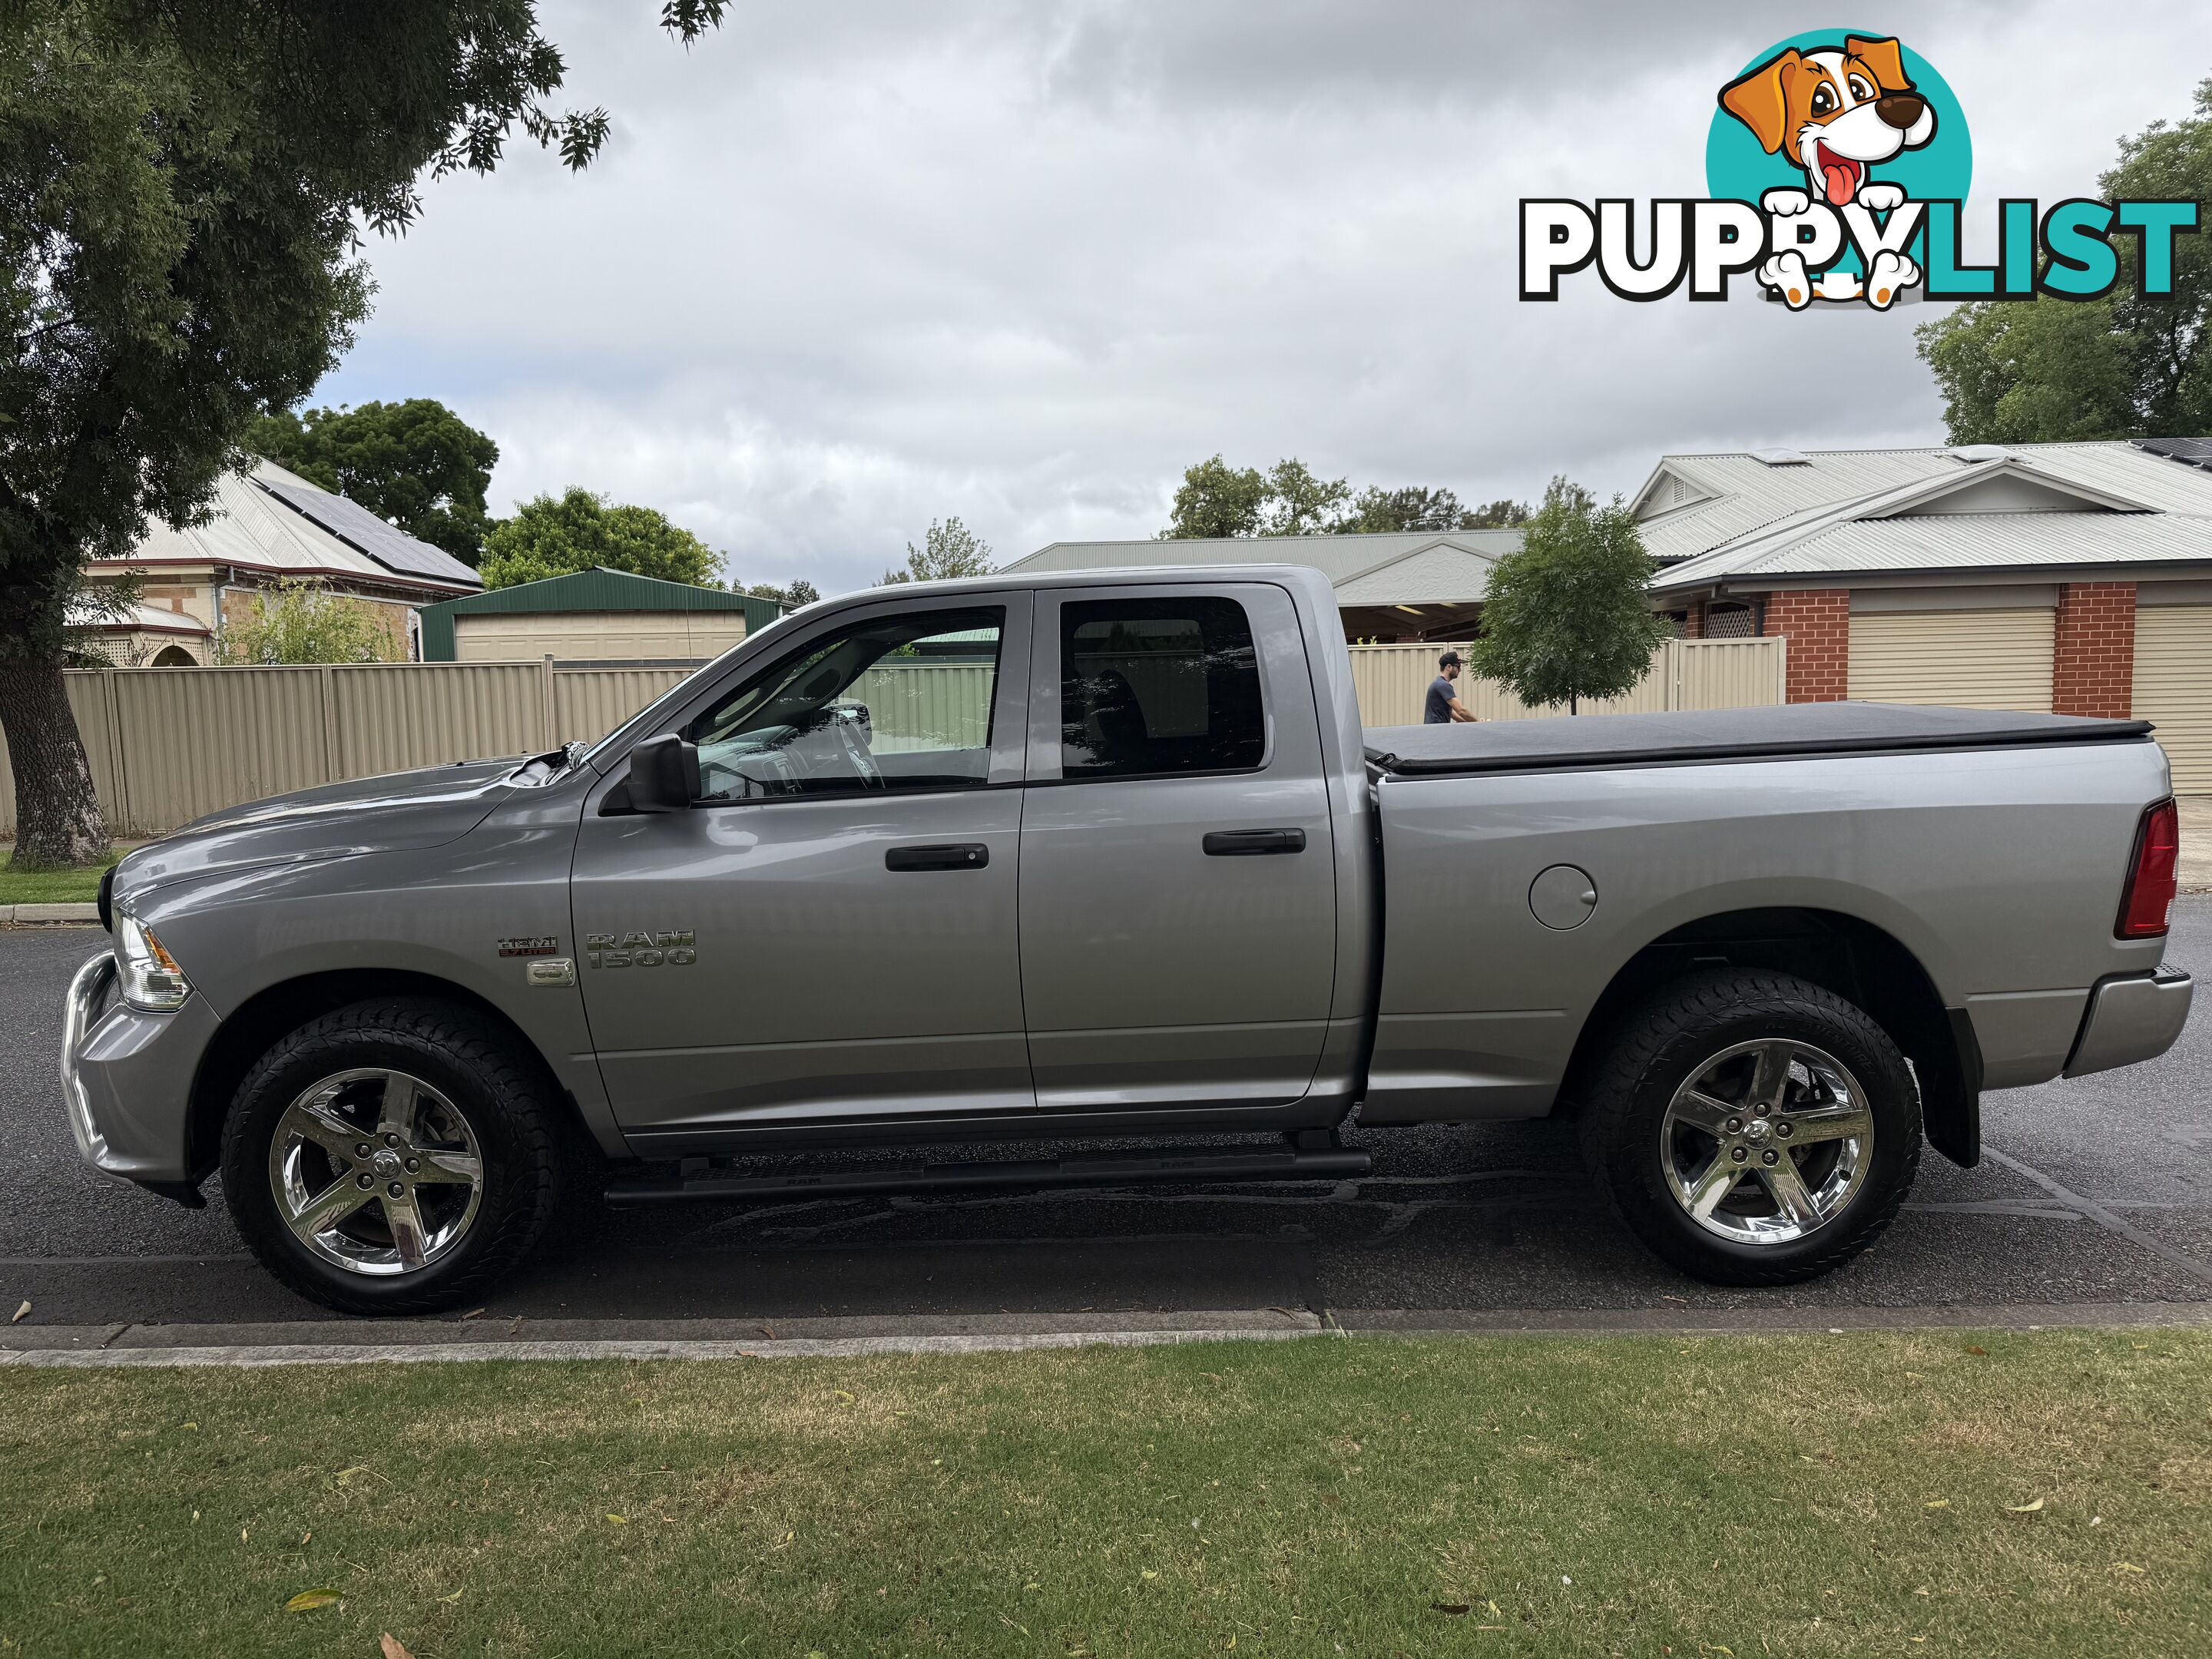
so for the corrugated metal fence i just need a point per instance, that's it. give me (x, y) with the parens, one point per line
(167, 745)
(925, 705)
(1393, 679)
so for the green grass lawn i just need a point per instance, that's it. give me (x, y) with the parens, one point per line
(51, 886)
(1741, 1497)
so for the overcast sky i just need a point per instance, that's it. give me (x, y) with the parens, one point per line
(844, 268)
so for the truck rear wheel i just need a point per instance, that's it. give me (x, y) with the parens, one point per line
(1751, 1128)
(391, 1157)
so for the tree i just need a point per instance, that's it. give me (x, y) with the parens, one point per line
(1500, 514)
(304, 621)
(1415, 507)
(801, 591)
(1377, 509)
(184, 184)
(416, 465)
(1566, 617)
(2124, 366)
(948, 550)
(557, 535)
(1299, 503)
(1218, 500)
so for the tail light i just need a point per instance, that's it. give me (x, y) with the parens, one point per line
(2151, 874)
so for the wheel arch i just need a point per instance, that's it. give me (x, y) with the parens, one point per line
(1856, 959)
(276, 1009)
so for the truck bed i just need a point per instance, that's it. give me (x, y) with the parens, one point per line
(1724, 734)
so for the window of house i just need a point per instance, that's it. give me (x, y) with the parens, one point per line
(1727, 621)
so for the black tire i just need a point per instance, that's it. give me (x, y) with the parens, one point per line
(503, 1094)
(1622, 1099)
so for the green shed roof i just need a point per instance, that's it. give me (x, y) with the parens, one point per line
(596, 589)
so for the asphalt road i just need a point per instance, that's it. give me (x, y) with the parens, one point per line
(2092, 1192)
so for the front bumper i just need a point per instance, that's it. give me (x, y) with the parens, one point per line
(2132, 1018)
(127, 1078)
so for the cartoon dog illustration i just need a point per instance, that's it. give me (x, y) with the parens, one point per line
(1834, 113)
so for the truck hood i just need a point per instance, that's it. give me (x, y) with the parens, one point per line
(392, 813)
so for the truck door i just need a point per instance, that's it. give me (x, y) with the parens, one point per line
(1178, 901)
(828, 935)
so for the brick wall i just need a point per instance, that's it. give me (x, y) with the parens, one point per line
(1693, 622)
(1818, 625)
(2092, 666)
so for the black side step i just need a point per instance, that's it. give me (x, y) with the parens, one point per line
(699, 1178)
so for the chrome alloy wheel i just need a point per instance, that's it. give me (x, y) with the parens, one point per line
(376, 1171)
(1767, 1141)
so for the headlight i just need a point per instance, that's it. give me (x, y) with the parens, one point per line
(151, 978)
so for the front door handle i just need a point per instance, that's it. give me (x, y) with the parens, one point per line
(945, 855)
(1252, 843)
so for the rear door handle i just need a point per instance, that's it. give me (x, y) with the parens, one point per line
(945, 855)
(1252, 843)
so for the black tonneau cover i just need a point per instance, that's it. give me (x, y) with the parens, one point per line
(1719, 734)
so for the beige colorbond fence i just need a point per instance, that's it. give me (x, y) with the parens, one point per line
(925, 705)
(167, 745)
(1392, 681)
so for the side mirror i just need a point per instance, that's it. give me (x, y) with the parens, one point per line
(664, 774)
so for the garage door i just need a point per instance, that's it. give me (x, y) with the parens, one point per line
(2173, 687)
(1969, 658)
(598, 635)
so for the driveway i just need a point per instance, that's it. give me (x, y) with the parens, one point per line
(2092, 1192)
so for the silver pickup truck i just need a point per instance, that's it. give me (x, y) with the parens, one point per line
(1108, 856)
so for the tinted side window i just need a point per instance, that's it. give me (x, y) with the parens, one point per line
(1158, 685)
(894, 702)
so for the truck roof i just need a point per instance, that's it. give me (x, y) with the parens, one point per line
(1780, 731)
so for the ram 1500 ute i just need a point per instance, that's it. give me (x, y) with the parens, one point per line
(1108, 856)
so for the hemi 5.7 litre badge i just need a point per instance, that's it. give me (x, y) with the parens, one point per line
(637, 950)
(528, 947)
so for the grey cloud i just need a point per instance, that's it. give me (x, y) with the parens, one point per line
(845, 270)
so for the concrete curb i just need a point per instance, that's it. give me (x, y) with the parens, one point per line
(846, 1348)
(1772, 1322)
(332, 1342)
(14, 915)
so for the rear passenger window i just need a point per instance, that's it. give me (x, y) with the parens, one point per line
(1151, 686)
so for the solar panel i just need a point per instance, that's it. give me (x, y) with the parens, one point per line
(2189, 452)
(363, 532)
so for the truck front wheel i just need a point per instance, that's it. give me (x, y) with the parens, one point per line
(1751, 1128)
(391, 1157)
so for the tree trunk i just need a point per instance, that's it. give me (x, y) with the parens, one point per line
(58, 817)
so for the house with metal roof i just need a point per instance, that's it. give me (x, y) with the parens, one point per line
(266, 525)
(1407, 585)
(2070, 577)
(607, 618)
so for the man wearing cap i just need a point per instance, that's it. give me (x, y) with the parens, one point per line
(1443, 706)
